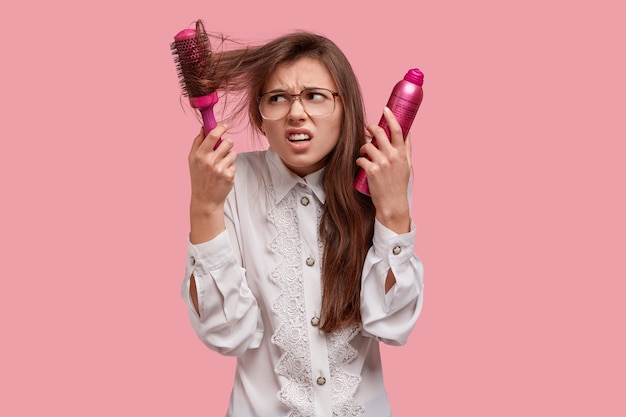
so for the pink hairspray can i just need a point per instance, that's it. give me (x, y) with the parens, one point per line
(404, 102)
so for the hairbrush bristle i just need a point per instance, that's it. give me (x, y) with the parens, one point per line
(192, 55)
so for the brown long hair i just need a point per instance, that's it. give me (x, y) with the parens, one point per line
(348, 218)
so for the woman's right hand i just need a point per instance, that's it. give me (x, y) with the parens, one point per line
(212, 173)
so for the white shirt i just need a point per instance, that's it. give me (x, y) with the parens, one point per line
(259, 297)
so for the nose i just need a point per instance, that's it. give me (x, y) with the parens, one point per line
(297, 111)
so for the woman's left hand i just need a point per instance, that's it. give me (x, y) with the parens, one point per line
(388, 167)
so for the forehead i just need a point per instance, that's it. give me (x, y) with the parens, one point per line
(299, 74)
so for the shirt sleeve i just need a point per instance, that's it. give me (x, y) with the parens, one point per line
(229, 321)
(390, 317)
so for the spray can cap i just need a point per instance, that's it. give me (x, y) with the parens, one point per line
(415, 76)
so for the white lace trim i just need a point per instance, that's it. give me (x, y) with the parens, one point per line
(345, 384)
(292, 337)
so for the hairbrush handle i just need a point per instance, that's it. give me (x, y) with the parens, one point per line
(205, 105)
(192, 51)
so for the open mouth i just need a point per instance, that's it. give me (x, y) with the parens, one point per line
(299, 137)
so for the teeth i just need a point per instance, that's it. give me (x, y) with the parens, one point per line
(299, 136)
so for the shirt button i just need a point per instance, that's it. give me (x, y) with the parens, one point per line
(321, 380)
(315, 321)
(302, 185)
(304, 201)
(397, 250)
(310, 261)
(193, 260)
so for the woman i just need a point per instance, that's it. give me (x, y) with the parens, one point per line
(289, 268)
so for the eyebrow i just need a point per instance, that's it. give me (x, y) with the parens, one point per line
(278, 90)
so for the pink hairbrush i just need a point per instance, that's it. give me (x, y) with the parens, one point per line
(192, 52)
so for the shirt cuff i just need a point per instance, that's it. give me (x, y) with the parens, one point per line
(393, 247)
(212, 254)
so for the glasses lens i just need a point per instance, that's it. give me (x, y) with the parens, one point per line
(317, 102)
(275, 105)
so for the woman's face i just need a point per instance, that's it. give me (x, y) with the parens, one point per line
(302, 141)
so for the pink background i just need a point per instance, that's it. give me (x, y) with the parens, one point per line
(519, 152)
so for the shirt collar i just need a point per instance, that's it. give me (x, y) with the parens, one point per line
(284, 180)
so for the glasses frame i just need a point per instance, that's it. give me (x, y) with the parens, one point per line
(334, 95)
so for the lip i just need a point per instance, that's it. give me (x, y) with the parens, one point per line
(299, 146)
(291, 132)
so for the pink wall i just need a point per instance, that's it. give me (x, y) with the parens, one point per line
(519, 151)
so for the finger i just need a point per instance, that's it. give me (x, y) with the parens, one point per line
(213, 138)
(224, 147)
(197, 142)
(394, 127)
(230, 157)
(378, 135)
(369, 150)
(364, 163)
(409, 147)
(225, 166)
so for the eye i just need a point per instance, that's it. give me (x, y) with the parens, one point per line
(316, 95)
(278, 98)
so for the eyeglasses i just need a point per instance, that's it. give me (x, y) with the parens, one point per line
(316, 102)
